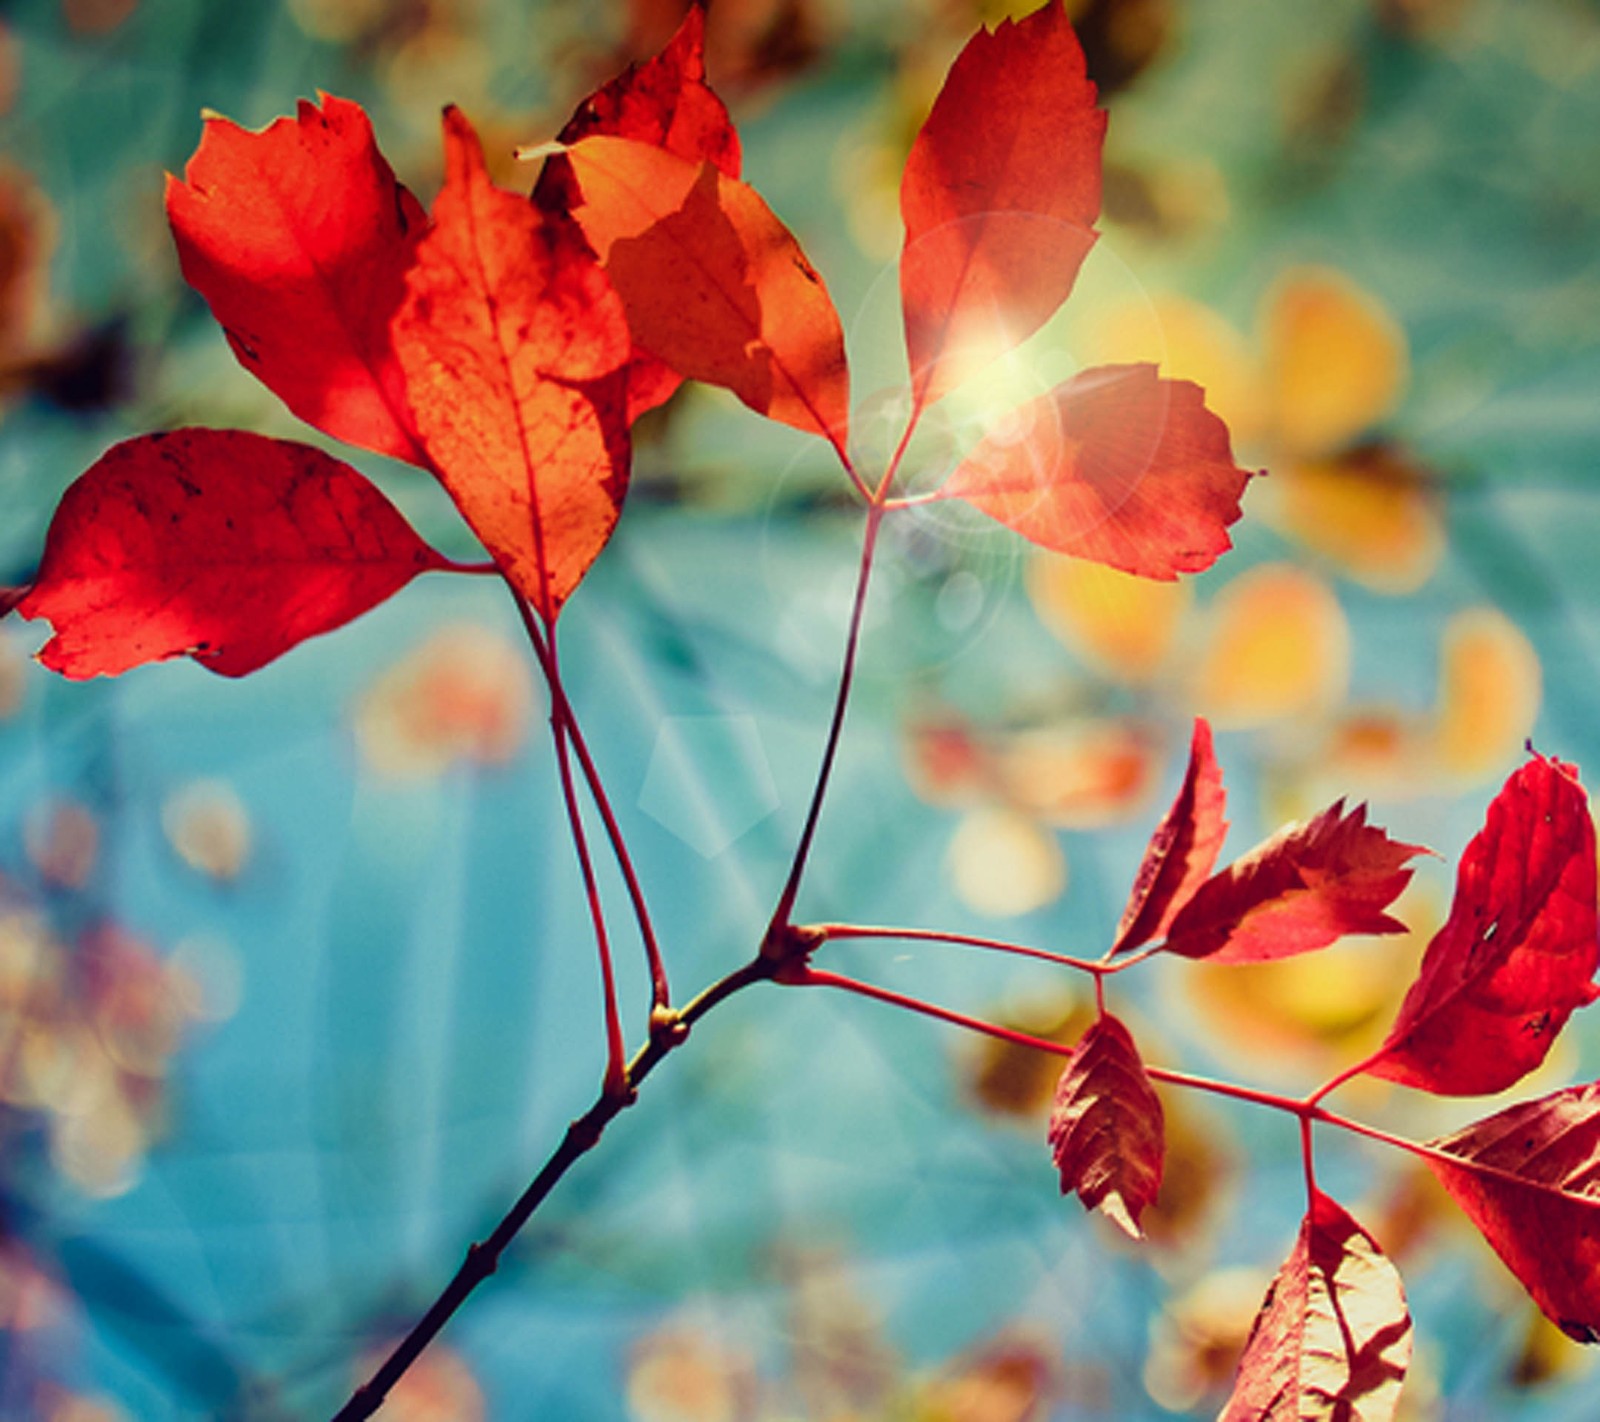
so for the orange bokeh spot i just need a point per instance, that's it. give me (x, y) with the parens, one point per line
(1278, 646)
(1119, 624)
(1489, 692)
(1336, 360)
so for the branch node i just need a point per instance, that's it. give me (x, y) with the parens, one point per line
(789, 946)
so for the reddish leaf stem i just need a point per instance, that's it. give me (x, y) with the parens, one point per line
(791, 888)
(661, 995)
(969, 940)
(581, 1136)
(450, 565)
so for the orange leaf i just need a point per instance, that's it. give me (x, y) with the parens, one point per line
(1307, 886)
(1333, 1338)
(999, 197)
(665, 101)
(1518, 951)
(713, 283)
(299, 238)
(220, 545)
(1533, 1189)
(1116, 466)
(1106, 1126)
(514, 349)
(1182, 850)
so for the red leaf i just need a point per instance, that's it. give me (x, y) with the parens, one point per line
(224, 546)
(1333, 1338)
(514, 349)
(1518, 951)
(713, 283)
(1535, 1194)
(1116, 466)
(1307, 886)
(664, 101)
(999, 198)
(1181, 852)
(299, 238)
(1106, 1126)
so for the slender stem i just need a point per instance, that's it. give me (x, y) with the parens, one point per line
(1349, 1073)
(450, 565)
(616, 1049)
(913, 501)
(791, 888)
(661, 995)
(931, 935)
(581, 1136)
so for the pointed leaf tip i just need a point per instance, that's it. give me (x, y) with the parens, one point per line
(1181, 852)
(1106, 1126)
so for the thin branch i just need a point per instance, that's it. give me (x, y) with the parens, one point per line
(969, 940)
(581, 1136)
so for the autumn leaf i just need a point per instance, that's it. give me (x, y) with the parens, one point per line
(1517, 953)
(1333, 1338)
(665, 101)
(1106, 1126)
(1300, 890)
(299, 238)
(514, 350)
(220, 545)
(999, 198)
(713, 283)
(1116, 466)
(1182, 850)
(1532, 1185)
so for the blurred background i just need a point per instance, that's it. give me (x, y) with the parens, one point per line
(296, 987)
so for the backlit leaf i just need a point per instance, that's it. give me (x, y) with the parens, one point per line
(1518, 951)
(1300, 890)
(1333, 1338)
(1106, 1126)
(299, 238)
(1122, 625)
(216, 544)
(1489, 690)
(1535, 1195)
(1182, 850)
(1116, 466)
(665, 101)
(515, 350)
(999, 197)
(714, 284)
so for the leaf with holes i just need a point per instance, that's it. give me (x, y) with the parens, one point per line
(224, 546)
(1116, 466)
(515, 353)
(1106, 1126)
(999, 198)
(665, 101)
(1307, 886)
(1531, 1182)
(1517, 953)
(713, 283)
(1333, 1337)
(299, 238)
(1181, 852)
